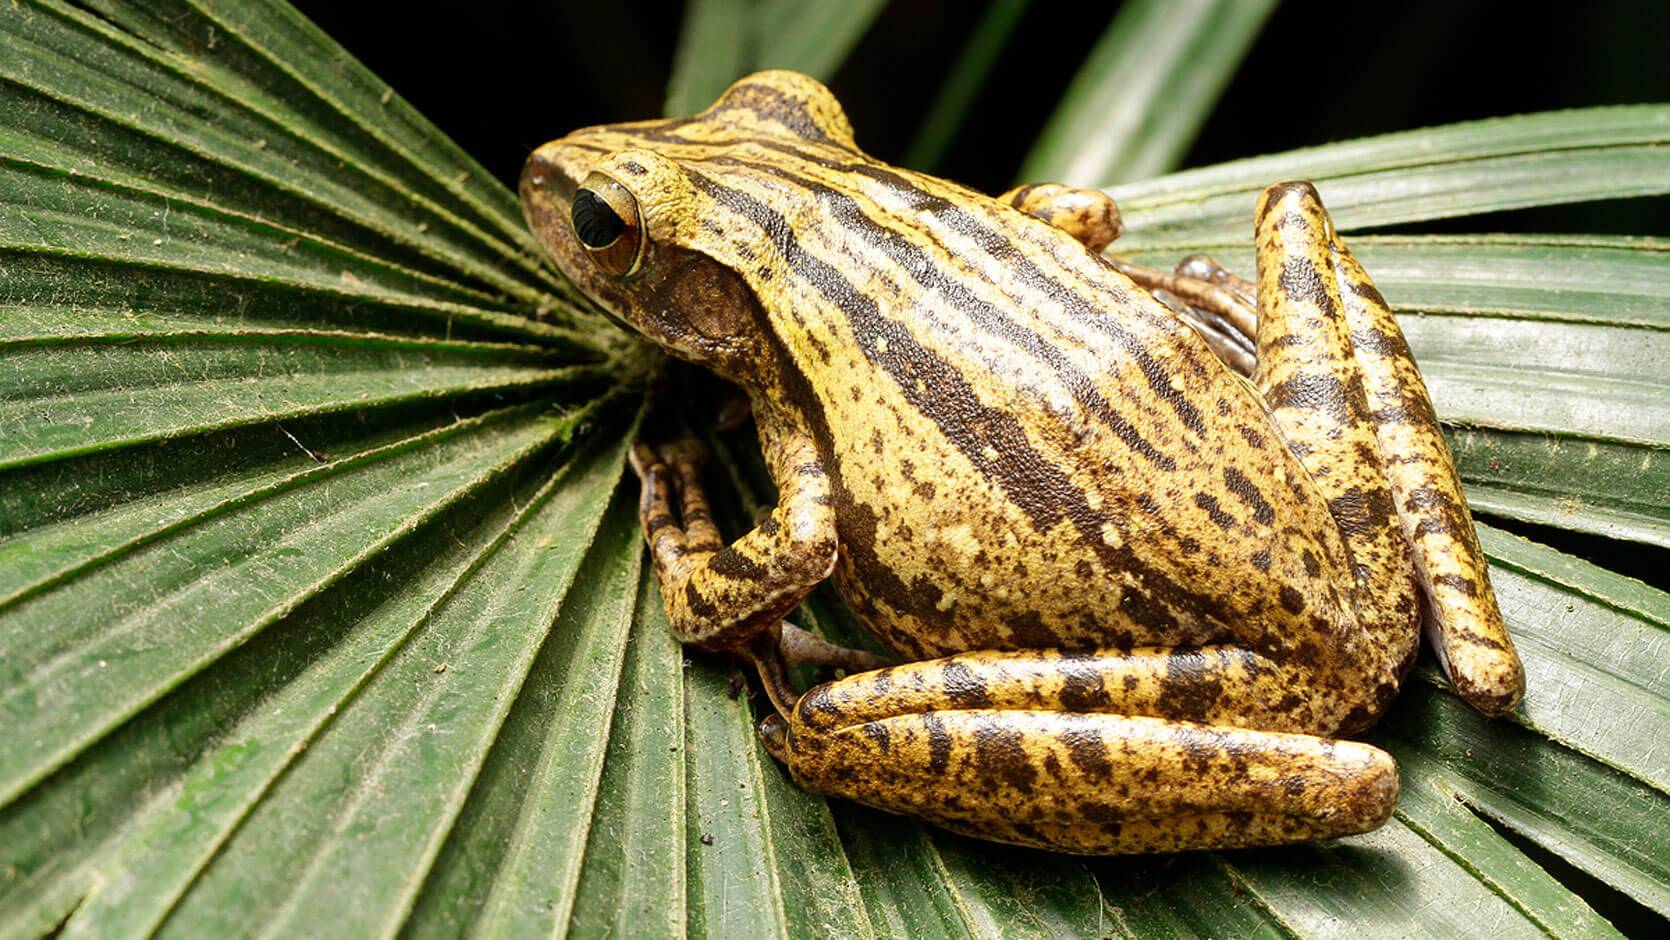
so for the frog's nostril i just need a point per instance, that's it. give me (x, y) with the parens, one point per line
(543, 173)
(537, 169)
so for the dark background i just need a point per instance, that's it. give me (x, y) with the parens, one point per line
(502, 76)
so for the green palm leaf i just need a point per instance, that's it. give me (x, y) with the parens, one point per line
(323, 608)
(1145, 90)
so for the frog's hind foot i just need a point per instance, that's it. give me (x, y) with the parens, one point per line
(1204, 267)
(774, 652)
(805, 648)
(1220, 306)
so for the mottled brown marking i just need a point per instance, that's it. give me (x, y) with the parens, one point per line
(1209, 503)
(1263, 513)
(1088, 752)
(1291, 600)
(1002, 752)
(965, 688)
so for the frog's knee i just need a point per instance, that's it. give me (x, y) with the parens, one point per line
(1289, 203)
(1486, 674)
(1089, 215)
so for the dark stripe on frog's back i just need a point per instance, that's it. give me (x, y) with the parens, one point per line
(1034, 483)
(1026, 476)
(985, 315)
(998, 246)
(999, 242)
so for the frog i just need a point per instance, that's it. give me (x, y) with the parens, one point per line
(1146, 546)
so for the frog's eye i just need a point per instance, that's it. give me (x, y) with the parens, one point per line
(606, 221)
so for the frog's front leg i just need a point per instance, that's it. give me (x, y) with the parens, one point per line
(718, 596)
(1104, 752)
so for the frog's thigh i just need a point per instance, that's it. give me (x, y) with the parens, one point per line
(1461, 613)
(1313, 385)
(1218, 684)
(719, 596)
(1089, 215)
(1096, 783)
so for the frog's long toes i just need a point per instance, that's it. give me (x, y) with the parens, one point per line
(802, 647)
(684, 451)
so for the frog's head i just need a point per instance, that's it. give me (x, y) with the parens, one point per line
(627, 213)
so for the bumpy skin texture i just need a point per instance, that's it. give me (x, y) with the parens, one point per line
(1144, 591)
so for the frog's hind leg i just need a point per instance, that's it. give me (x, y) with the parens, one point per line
(1313, 385)
(1463, 623)
(1083, 753)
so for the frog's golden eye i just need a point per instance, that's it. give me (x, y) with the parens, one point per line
(606, 220)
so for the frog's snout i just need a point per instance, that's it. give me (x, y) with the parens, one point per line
(551, 172)
(550, 177)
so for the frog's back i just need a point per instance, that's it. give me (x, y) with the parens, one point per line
(1027, 448)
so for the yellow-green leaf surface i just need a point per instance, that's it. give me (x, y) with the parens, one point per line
(1439, 172)
(323, 610)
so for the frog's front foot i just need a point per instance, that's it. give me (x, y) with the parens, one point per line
(720, 596)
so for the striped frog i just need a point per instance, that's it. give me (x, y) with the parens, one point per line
(1147, 543)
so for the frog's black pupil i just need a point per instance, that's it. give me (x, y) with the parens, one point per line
(596, 224)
